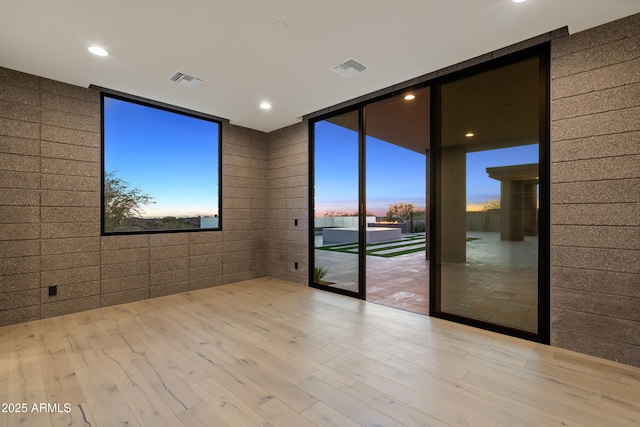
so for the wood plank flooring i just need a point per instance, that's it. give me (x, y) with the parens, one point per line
(268, 353)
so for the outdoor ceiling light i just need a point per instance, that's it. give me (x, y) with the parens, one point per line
(265, 106)
(469, 134)
(97, 50)
(410, 97)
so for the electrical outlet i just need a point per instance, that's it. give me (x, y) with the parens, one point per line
(53, 290)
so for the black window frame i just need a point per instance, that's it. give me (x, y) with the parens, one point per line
(171, 109)
(543, 52)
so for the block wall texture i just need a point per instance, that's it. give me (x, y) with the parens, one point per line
(50, 203)
(288, 171)
(50, 212)
(595, 190)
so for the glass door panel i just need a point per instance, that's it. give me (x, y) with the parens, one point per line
(397, 142)
(336, 159)
(487, 199)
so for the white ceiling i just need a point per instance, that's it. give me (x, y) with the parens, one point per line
(243, 60)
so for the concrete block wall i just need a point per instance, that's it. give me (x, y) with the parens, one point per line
(595, 216)
(244, 203)
(50, 212)
(288, 152)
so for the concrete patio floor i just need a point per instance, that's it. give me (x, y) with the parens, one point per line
(483, 288)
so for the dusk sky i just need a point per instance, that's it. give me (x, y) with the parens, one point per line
(170, 156)
(174, 158)
(394, 174)
(481, 188)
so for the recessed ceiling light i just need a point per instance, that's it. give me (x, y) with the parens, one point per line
(265, 106)
(469, 134)
(518, 1)
(410, 97)
(97, 50)
(280, 26)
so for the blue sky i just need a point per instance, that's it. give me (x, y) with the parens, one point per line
(170, 156)
(174, 158)
(394, 174)
(336, 169)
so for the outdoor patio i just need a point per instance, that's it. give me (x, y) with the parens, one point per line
(483, 288)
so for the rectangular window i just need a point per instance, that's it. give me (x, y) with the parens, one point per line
(160, 169)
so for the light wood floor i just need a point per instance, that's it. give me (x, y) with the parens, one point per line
(269, 353)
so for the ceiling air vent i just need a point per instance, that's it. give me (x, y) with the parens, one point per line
(349, 68)
(185, 80)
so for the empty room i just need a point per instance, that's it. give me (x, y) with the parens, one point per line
(337, 214)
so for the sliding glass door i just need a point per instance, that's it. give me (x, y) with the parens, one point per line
(489, 171)
(397, 143)
(435, 199)
(369, 201)
(336, 204)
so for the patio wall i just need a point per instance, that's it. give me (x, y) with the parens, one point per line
(340, 221)
(482, 221)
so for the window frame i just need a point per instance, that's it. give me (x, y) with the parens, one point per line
(543, 52)
(171, 109)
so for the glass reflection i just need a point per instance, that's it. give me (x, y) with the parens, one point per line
(487, 178)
